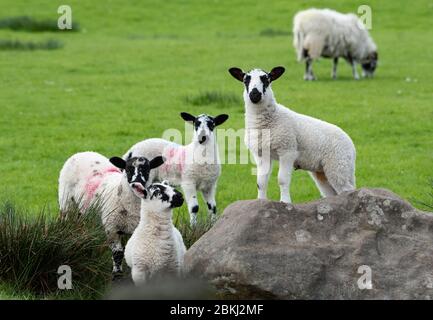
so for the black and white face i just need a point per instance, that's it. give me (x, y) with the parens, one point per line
(204, 125)
(369, 64)
(257, 83)
(162, 196)
(137, 170)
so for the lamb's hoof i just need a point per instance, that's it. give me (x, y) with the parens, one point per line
(309, 77)
(117, 276)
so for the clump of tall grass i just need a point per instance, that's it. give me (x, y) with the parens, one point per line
(34, 245)
(30, 45)
(214, 97)
(26, 23)
(191, 233)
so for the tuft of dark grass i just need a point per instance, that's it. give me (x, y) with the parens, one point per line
(26, 23)
(29, 45)
(427, 204)
(34, 245)
(191, 233)
(269, 32)
(214, 97)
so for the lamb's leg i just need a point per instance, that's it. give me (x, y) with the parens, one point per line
(190, 192)
(309, 75)
(138, 276)
(353, 65)
(209, 197)
(117, 251)
(285, 175)
(322, 184)
(264, 170)
(334, 68)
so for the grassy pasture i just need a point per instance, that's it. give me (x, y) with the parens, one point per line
(130, 69)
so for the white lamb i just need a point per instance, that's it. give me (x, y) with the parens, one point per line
(156, 247)
(295, 140)
(330, 34)
(89, 178)
(195, 166)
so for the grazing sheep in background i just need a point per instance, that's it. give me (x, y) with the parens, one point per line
(195, 166)
(156, 247)
(295, 140)
(89, 178)
(330, 34)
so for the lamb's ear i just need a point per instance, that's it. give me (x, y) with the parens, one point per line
(187, 117)
(156, 162)
(118, 162)
(220, 119)
(237, 73)
(276, 73)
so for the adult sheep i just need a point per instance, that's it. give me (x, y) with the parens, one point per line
(330, 34)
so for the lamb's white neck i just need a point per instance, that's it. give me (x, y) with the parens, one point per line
(150, 215)
(259, 114)
(206, 153)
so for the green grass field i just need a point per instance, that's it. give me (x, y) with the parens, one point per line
(132, 68)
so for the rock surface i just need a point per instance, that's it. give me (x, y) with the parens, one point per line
(319, 250)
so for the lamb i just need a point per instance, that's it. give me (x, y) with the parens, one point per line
(156, 247)
(195, 166)
(89, 178)
(295, 140)
(330, 34)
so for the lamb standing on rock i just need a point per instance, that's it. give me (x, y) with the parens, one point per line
(330, 34)
(89, 178)
(295, 140)
(195, 166)
(156, 247)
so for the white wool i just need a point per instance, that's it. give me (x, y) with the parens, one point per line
(296, 141)
(194, 167)
(119, 205)
(156, 247)
(330, 33)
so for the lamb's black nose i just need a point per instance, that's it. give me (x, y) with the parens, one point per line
(177, 200)
(255, 95)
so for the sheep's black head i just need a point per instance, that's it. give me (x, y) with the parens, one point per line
(162, 196)
(369, 64)
(137, 170)
(204, 125)
(257, 83)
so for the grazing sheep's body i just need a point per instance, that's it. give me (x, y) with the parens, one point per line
(156, 247)
(194, 167)
(327, 33)
(274, 132)
(89, 178)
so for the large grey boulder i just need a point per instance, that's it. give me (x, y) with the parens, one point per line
(319, 250)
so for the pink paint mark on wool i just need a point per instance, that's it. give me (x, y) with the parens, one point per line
(174, 157)
(93, 183)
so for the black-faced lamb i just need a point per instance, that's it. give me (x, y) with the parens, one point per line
(330, 34)
(156, 247)
(195, 166)
(297, 141)
(89, 178)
